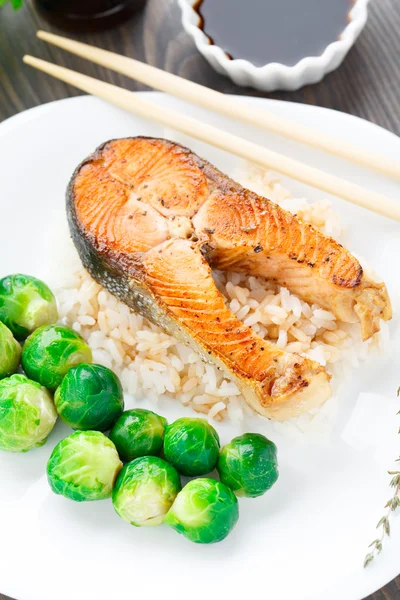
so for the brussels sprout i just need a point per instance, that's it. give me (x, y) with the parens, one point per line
(192, 446)
(51, 351)
(205, 511)
(89, 397)
(84, 466)
(248, 465)
(10, 352)
(26, 303)
(145, 490)
(138, 432)
(27, 414)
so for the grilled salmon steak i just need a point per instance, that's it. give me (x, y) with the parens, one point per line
(149, 219)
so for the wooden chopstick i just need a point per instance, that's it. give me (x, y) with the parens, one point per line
(226, 105)
(222, 139)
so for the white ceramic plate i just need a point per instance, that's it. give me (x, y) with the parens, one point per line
(307, 538)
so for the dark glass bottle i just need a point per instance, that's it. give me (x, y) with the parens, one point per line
(87, 15)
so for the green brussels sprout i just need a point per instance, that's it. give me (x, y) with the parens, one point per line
(205, 511)
(26, 303)
(145, 490)
(89, 397)
(84, 466)
(10, 352)
(27, 414)
(138, 432)
(51, 351)
(192, 446)
(248, 465)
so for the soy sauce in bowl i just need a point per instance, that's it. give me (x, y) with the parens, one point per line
(265, 31)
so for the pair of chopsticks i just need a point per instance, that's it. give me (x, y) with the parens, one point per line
(210, 99)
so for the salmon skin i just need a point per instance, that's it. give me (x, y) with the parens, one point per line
(149, 219)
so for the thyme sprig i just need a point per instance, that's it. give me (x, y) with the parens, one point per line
(384, 524)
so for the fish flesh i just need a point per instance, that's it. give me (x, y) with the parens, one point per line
(150, 219)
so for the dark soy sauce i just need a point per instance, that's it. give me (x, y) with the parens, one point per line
(87, 15)
(264, 31)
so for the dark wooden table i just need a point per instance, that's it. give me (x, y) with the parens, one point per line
(366, 85)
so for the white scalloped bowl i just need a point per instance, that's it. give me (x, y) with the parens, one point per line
(275, 76)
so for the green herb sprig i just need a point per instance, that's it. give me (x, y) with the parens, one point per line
(384, 524)
(16, 4)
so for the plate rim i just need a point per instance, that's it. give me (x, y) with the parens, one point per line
(8, 124)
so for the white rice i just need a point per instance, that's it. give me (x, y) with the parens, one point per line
(151, 363)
